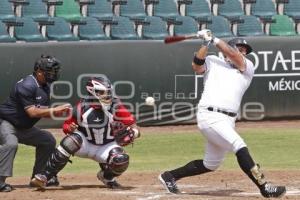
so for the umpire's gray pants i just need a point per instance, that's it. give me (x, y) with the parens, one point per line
(9, 139)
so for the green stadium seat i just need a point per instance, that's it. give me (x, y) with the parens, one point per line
(231, 9)
(292, 9)
(69, 10)
(102, 10)
(123, 29)
(92, 30)
(4, 36)
(186, 26)
(60, 31)
(263, 9)
(198, 9)
(284, 26)
(156, 28)
(6, 11)
(220, 26)
(29, 32)
(166, 9)
(133, 9)
(251, 26)
(36, 9)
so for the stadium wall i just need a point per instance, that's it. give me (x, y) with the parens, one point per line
(151, 68)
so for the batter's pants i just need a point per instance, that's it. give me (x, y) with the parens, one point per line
(42, 140)
(219, 130)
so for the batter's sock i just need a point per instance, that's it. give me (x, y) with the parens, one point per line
(249, 167)
(193, 168)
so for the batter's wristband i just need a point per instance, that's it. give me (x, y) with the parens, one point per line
(198, 61)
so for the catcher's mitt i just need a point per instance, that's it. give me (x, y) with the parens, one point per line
(123, 134)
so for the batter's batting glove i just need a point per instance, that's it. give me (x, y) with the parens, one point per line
(205, 34)
(208, 37)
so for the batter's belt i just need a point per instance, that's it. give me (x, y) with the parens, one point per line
(230, 114)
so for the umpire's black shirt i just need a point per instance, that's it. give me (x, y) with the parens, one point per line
(25, 93)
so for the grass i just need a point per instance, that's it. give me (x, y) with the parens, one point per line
(276, 149)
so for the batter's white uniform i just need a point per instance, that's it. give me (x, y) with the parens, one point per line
(224, 87)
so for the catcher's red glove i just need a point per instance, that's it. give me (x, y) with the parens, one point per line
(123, 134)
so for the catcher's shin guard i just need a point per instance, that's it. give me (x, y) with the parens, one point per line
(117, 163)
(60, 157)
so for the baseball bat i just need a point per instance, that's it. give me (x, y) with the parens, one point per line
(178, 38)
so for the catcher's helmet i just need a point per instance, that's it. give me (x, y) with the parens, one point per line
(50, 66)
(100, 88)
(240, 42)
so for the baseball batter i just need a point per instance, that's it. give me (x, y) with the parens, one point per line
(98, 128)
(225, 82)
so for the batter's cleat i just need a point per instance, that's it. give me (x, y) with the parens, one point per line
(268, 190)
(52, 182)
(6, 188)
(39, 181)
(112, 184)
(169, 182)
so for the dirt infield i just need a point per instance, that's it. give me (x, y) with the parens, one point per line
(225, 185)
(222, 184)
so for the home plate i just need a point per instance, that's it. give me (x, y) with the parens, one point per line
(288, 193)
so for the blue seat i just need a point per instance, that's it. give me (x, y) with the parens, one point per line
(165, 9)
(231, 9)
(60, 31)
(263, 9)
(4, 36)
(187, 26)
(133, 9)
(102, 9)
(36, 9)
(220, 27)
(292, 9)
(29, 32)
(198, 9)
(250, 27)
(92, 30)
(156, 28)
(123, 30)
(6, 11)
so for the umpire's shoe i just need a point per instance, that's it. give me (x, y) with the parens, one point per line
(169, 182)
(112, 184)
(39, 180)
(268, 190)
(6, 188)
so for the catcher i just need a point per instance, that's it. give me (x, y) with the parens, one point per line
(98, 128)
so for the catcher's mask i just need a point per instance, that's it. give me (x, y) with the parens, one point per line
(100, 88)
(236, 42)
(50, 67)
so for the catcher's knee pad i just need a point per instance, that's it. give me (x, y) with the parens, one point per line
(70, 144)
(117, 161)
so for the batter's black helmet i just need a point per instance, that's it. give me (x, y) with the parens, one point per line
(240, 42)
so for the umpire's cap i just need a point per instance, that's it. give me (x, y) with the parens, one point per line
(240, 42)
(50, 66)
(47, 63)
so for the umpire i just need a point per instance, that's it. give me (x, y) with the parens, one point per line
(28, 102)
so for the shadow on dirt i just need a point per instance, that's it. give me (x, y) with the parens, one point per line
(216, 193)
